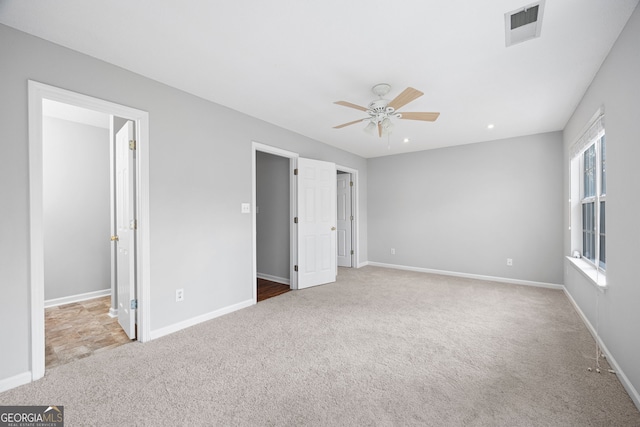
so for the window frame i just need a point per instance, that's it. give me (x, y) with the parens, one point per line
(598, 231)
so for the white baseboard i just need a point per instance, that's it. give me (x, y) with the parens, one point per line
(468, 275)
(76, 298)
(113, 312)
(199, 319)
(15, 381)
(633, 393)
(276, 279)
(362, 264)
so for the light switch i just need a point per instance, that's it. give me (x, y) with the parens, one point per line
(245, 208)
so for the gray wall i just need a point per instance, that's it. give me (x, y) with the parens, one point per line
(616, 87)
(272, 220)
(76, 205)
(200, 173)
(466, 209)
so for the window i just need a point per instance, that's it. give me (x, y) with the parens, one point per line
(594, 181)
(588, 195)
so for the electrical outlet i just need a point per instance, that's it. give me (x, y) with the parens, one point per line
(179, 295)
(393, 251)
(509, 262)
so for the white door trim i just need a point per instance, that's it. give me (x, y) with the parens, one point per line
(355, 226)
(37, 92)
(293, 237)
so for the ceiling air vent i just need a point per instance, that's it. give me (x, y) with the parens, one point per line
(524, 23)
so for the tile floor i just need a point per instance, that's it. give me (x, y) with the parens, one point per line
(77, 330)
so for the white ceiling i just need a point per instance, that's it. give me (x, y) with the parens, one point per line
(72, 113)
(287, 61)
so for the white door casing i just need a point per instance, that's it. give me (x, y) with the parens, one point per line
(37, 93)
(125, 227)
(316, 222)
(343, 220)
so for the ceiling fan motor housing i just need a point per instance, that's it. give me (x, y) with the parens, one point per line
(380, 106)
(379, 110)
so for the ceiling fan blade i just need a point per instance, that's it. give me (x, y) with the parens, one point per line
(348, 104)
(407, 95)
(427, 117)
(347, 124)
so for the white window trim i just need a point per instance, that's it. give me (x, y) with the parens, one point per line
(595, 199)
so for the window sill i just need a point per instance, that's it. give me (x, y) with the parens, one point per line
(598, 279)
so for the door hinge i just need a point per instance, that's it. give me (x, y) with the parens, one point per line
(295, 220)
(132, 144)
(351, 217)
(133, 225)
(134, 304)
(295, 171)
(351, 251)
(351, 183)
(295, 268)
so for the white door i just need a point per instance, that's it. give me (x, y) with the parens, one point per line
(316, 223)
(344, 219)
(125, 229)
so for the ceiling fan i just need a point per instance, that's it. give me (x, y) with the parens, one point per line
(381, 110)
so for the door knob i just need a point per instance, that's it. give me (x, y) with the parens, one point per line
(333, 229)
(114, 238)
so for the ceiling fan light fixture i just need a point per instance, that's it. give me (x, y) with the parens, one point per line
(387, 126)
(369, 128)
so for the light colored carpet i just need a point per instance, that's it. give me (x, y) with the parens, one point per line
(378, 347)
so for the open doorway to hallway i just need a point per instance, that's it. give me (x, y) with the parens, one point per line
(273, 237)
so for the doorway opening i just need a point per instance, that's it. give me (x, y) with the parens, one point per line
(273, 218)
(39, 94)
(78, 211)
(274, 167)
(347, 218)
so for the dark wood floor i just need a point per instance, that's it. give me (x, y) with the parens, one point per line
(77, 330)
(268, 289)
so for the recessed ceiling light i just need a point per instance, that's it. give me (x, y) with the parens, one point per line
(490, 126)
(405, 140)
